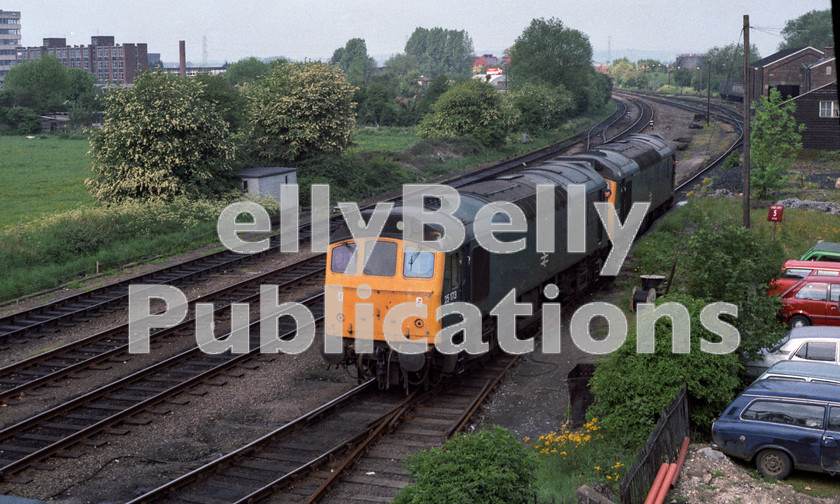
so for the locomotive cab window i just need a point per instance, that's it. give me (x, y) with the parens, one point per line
(380, 258)
(341, 256)
(418, 263)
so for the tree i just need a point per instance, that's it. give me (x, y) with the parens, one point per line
(541, 107)
(226, 98)
(472, 109)
(83, 102)
(40, 84)
(161, 138)
(376, 106)
(550, 53)
(301, 109)
(436, 88)
(727, 262)
(811, 29)
(727, 64)
(775, 140)
(354, 60)
(246, 70)
(682, 77)
(438, 51)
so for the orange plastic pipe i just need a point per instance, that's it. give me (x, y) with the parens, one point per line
(680, 460)
(665, 486)
(660, 477)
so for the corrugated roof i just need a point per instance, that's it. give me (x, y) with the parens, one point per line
(263, 171)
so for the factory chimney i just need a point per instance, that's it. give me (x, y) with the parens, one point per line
(182, 49)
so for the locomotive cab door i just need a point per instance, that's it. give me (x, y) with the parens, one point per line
(454, 280)
(626, 199)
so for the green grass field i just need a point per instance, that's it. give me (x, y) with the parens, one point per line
(41, 176)
(384, 138)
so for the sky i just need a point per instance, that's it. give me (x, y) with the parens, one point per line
(313, 29)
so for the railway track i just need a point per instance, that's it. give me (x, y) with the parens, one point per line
(28, 443)
(301, 461)
(719, 112)
(93, 352)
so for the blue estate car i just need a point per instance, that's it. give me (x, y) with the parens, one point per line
(781, 425)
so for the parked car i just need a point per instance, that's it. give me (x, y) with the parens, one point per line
(803, 371)
(795, 271)
(823, 251)
(781, 426)
(813, 301)
(807, 343)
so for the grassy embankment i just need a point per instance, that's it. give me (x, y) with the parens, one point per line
(52, 231)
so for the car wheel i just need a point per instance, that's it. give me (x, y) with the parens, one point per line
(773, 464)
(799, 321)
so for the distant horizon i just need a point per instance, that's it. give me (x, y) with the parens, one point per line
(313, 29)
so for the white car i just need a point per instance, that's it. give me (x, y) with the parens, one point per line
(808, 343)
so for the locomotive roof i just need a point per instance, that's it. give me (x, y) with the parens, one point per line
(619, 159)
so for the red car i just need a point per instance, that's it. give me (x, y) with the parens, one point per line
(815, 300)
(794, 271)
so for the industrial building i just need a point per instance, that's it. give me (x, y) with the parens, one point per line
(111, 63)
(9, 41)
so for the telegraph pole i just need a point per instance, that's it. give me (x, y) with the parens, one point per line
(746, 177)
(709, 95)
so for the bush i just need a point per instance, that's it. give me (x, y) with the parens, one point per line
(161, 138)
(489, 466)
(727, 262)
(352, 177)
(473, 109)
(541, 107)
(24, 120)
(631, 389)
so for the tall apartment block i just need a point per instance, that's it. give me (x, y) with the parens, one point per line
(109, 62)
(9, 41)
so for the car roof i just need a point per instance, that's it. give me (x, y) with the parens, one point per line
(826, 247)
(797, 263)
(798, 390)
(805, 368)
(815, 331)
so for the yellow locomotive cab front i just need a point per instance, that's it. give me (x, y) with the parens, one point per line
(371, 277)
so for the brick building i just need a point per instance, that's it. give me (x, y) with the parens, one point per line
(821, 72)
(109, 62)
(782, 71)
(817, 109)
(9, 41)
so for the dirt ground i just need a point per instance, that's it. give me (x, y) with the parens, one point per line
(532, 401)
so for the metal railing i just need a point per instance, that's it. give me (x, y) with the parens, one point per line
(663, 445)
